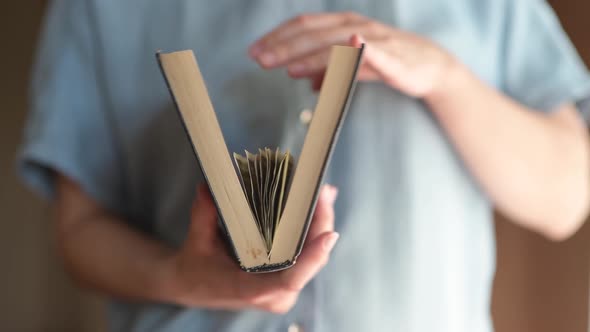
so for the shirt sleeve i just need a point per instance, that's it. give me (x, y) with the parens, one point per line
(68, 130)
(541, 67)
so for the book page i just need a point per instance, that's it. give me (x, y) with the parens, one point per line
(264, 178)
(317, 147)
(259, 215)
(190, 95)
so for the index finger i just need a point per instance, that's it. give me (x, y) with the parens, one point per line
(299, 24)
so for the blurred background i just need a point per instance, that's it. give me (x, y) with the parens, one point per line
(540, 286)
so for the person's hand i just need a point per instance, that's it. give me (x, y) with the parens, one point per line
(204, 275)
(404, 61)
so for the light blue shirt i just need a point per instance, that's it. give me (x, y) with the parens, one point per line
(416, 251)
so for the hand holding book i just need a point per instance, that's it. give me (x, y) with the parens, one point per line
(203, 274)
(405, 61)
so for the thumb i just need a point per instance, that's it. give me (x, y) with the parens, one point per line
(323, 217)
(309, 263)
(203, 228)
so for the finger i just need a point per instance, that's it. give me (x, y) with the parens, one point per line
(279, 302)
(356, 40)
(312, 259)
(256, 289)
(366, 72)
(307, 43)
(317, 80)
(203, 231)
(385, 66)
(323, 217)
(314, 70)
(298, 25)
(310, 65)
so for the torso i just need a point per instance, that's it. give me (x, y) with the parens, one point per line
(416, 251)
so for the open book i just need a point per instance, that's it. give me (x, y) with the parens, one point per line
(267, 205)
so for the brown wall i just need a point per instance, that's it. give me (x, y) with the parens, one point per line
(540, 286)
(35, 295)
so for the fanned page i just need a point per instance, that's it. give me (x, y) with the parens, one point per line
(264, 178)
(267, 206)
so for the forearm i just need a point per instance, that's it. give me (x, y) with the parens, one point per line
(534, 166)
(102, 253)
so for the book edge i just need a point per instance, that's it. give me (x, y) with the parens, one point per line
(179, 115)
(272, 267)
(333, 141)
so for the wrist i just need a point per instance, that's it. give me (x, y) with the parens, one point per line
(166, 283)
(454, 80)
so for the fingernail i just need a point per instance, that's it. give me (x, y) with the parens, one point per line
(332, 194)
(335, 192)
(331, 241)
(327, 195)
(267, 59)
